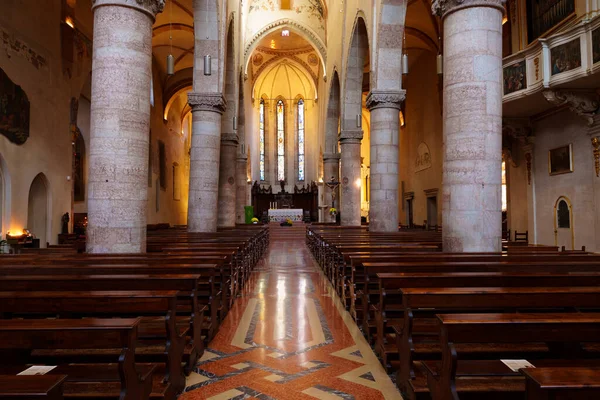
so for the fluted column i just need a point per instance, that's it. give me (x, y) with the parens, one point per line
(472, 172)
(120, 125)
(385, 125)
(207, 109)
(227, 182)
(350, 179)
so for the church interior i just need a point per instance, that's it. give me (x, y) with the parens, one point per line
(300, 199)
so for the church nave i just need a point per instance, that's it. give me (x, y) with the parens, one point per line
(289, 337)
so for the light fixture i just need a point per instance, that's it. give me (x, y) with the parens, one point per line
(273, 44)
(170, 58)
(69, 21)
(207, 65)
(235, 125)
(358, 120)
(358, 182)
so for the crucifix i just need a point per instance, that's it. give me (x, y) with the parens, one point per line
(333, 185)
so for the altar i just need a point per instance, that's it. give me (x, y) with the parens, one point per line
(284, 214)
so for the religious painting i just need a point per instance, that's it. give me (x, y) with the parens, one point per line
(515, 77)
(566, 57)
(560, 160)
(314, 7)
(596, 45)
(423, 160)
(14, 111)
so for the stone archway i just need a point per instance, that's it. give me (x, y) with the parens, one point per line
(37, 209)
(351, 130)
(331, 156)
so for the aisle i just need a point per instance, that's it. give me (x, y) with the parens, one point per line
(289, 337)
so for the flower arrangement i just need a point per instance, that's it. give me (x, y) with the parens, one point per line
(286, 222)
(254, 220)
(332, 211)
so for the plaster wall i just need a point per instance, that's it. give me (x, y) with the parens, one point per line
(423, 124)
(35, 26)
(554, 131)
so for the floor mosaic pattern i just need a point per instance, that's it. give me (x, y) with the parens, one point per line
(288, 337)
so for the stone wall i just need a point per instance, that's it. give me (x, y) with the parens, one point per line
(423, 120)
(578, 187)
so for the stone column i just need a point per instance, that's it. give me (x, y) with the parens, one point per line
(207, 109)
(120, 125)
(241, 187)
(472, 172)
(385, 125)
(350, 181)
(227, 183)
(531, 203)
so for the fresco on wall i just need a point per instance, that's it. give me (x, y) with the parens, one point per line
(14, 110)
(565, 57)
(313, 7)
(515, 77)
(262, 5)
(423, 160)
(596, 45)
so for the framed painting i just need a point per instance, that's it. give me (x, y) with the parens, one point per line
(560, 160)
(566, 57)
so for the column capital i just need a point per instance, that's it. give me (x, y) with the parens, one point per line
(385, 99)
(331, 157)
(214, 102)
(230, 138)
(150, 7)
(442, 8)
(582, 102)
(351, 136)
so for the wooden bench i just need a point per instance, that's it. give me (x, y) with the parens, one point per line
(562, 383)
(31, 387)
(159, 339)
(484, 377)
(417, 338)
(123, 379)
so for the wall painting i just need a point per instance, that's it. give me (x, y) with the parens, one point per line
(515, 77)
(596, 45)
(14, 110)
(560, 160)
(423, 160)
(566, 57)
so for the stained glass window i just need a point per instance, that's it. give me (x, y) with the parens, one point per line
(280, 141)
(261, 134)
(301, 140)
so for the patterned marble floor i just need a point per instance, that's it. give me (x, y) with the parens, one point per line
(288, 337)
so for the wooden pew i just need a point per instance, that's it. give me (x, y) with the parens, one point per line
(159, 340)
(388, 310)
(185, 285)
(122, 379)
(417, 337)
(31, 387)
(484, 376)
(562, 383)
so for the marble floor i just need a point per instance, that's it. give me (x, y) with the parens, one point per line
(288, 337)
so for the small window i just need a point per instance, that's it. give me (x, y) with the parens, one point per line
(162, 159)
(563, 215)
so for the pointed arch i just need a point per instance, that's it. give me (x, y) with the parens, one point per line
(38, 208)
(332, 123)
(310, 36)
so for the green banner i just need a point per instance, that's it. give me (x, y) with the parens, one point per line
(249, 213)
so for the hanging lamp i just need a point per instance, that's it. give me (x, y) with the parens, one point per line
(404, 57)
(170, 58)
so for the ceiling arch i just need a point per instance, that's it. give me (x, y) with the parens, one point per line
(311, 37)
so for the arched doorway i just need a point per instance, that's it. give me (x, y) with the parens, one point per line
(563, 224)
(37, 215)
